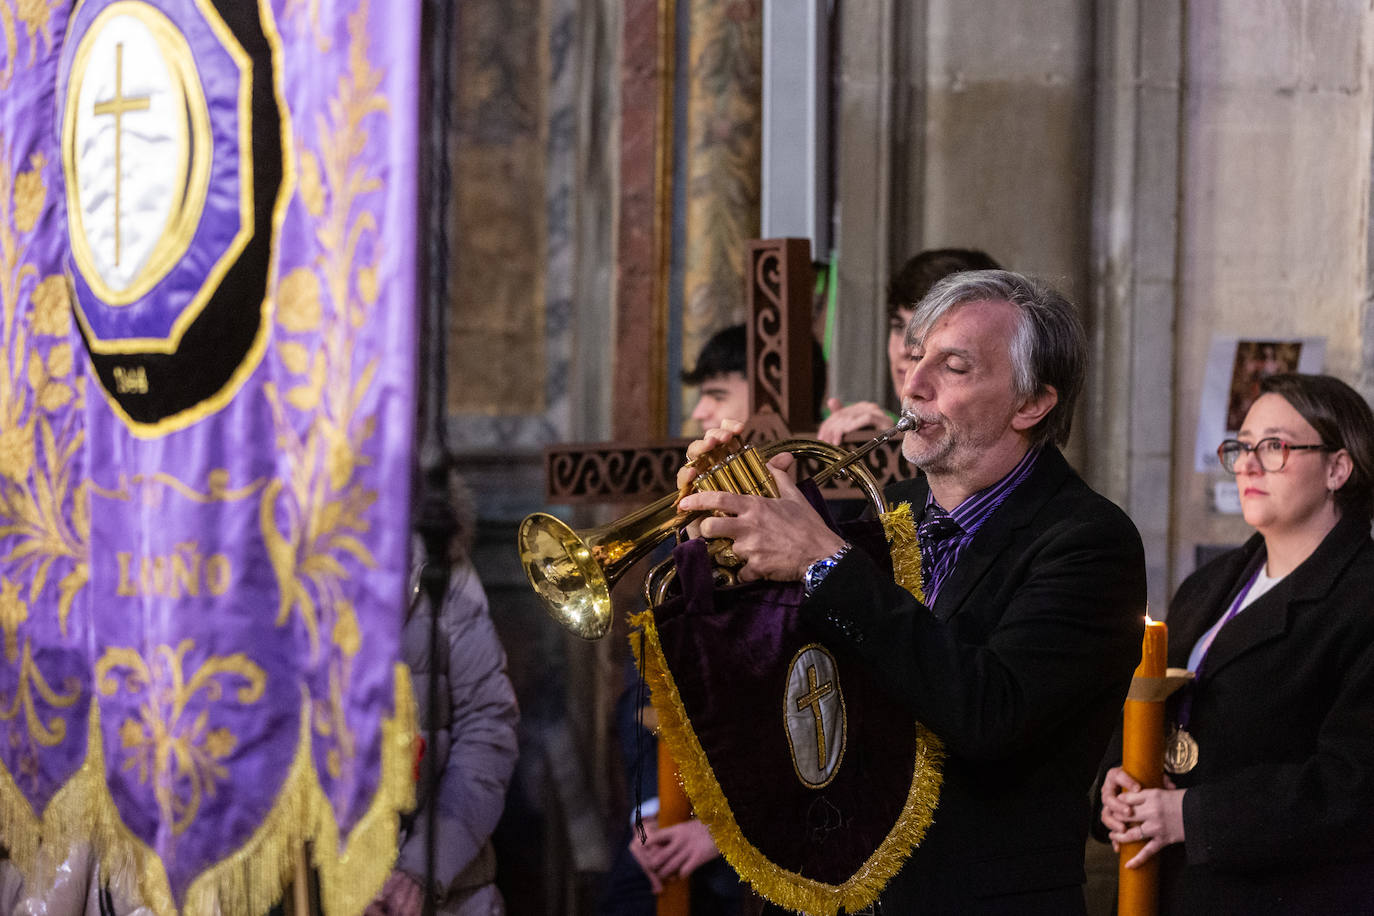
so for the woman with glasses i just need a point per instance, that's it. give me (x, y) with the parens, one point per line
(1269, 802)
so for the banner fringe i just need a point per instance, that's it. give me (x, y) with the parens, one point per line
(255, 876)
(18, 826)
(900, 527)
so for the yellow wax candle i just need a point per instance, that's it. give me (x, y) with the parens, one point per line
(673, 808)
(1142, 756)
(1154, 651)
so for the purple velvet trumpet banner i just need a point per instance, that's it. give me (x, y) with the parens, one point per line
(207, 248)
(814, 784)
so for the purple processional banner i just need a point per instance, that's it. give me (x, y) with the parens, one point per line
(207, 248)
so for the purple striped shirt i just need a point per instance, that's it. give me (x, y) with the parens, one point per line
(938, 560)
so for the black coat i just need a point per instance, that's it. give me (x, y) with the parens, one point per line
(1279, 813)
(1021, 668)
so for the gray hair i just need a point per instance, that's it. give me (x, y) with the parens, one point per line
(1048, 348)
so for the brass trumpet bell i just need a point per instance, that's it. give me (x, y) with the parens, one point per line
(573, 572)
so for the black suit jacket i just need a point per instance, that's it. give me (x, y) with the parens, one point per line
(1279, 813)
(1021, 668)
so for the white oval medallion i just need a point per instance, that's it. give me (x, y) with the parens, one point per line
(813, 711)
(136, 143)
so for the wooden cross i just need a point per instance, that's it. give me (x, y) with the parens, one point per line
(779, 301)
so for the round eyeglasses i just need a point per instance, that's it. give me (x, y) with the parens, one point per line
(1272, 453)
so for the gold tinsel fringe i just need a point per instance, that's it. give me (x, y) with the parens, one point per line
(900, 528)
(252, 878)
(785, 888)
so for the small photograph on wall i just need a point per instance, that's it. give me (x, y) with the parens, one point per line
(1235, 366)
(1256, 359)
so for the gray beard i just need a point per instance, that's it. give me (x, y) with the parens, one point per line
(931, 457)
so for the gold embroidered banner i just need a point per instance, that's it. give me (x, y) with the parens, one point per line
(206, 411)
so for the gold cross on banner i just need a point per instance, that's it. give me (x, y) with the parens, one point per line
(813, 698)
(117, 106)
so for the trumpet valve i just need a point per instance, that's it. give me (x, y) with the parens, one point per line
(739, 469)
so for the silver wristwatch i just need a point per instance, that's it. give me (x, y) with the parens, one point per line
(817, 571)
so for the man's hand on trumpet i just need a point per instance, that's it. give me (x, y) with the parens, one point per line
(776, 538)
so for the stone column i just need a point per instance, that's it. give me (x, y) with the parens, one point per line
(499, 216)
(1129, 402)
(864, 148)
(722, 155)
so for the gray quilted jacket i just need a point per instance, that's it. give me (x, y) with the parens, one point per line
(476, 744)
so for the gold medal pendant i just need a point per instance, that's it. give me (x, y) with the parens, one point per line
(1180, 752)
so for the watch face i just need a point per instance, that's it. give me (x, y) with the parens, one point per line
(818, 570)
(816, 573)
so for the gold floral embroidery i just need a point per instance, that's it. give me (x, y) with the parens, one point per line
(29, 194)
(313, 520)
(13, 612)
(367, 285)
(36, 16)
(298, 301)
(60, 360)
(30, 681)
(11, 43)
(152, 488)
(16, 452)
(312, 191)
(42, 509)
(170, 745)
(310, 9)
(346, 634)
(52, 311)
(36, 732)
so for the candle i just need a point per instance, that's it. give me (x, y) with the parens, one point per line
(1154, 651)
(673, 808)
(1142, 756)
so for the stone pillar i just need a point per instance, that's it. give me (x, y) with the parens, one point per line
(864, 144)
(722, 149)
(499, 228)
(1008, 126)
(961, 123)
(1129, 401)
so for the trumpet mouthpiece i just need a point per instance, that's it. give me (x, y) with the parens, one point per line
(907, 422)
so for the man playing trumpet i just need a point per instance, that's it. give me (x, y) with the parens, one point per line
(1034, 586)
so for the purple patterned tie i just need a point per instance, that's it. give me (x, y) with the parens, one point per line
(937, 533)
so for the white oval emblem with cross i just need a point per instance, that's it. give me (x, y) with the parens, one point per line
(173, 215)
(137, 142)
(813, 711)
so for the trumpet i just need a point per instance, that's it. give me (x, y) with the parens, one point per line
(573, 572)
